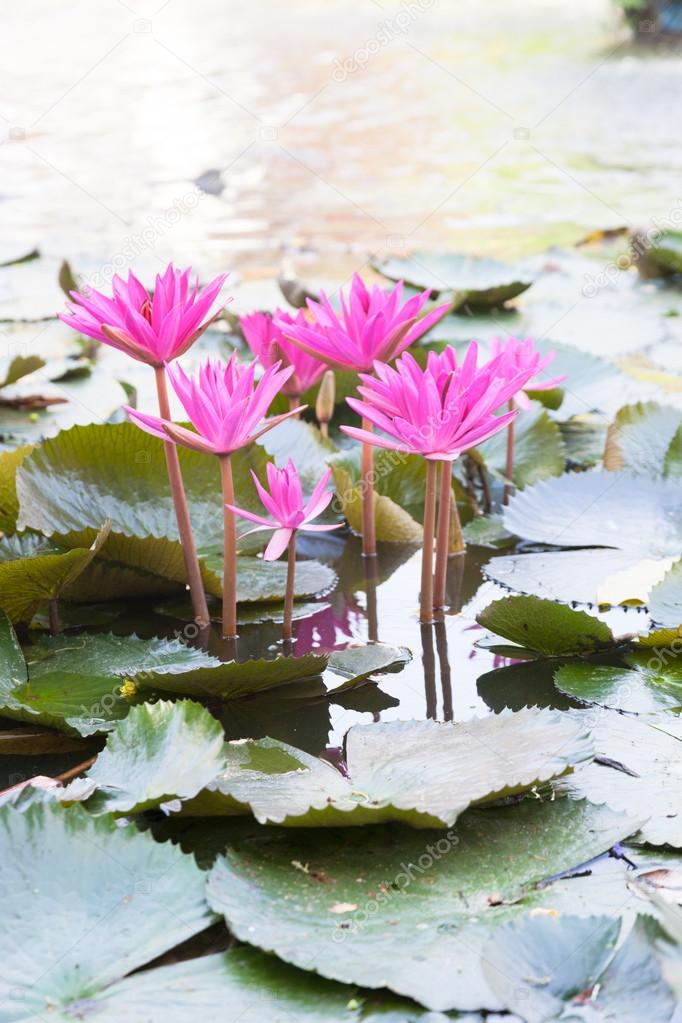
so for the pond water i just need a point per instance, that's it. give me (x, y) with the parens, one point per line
(322, 130)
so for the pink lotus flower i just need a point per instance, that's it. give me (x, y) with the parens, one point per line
(523, 357)
(152, 329)
(432, 412)
(266, 340)
(374, 324)
(287, 508)
(223, 402)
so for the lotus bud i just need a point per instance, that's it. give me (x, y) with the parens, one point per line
(324, 406)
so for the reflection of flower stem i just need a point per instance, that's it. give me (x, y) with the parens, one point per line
(230, 551)
(369, 544)
(448, 516)
(370, 566)
(53, 615)
(442, 648)
(429, 663)
(287, 633)
(426, 605)
(509, 467)
(196, 587)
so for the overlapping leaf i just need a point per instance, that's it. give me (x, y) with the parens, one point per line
(90, 902)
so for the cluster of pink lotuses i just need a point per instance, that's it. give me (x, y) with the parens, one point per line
(437, 411)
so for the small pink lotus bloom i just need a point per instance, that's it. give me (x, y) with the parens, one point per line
(522, 356)
(430, 412)
(267, 341)
(151, 328)
(223, 402)
(285, 505)
(374, 324)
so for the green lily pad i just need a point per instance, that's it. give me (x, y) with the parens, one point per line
(569, 576)
(63, 486)
(421, 773)
(538, 450)
(545, 626)
(550, 968)
(34, 571)
(665, 599)
(639, 771)
(477, 282)
(601, 509)
(640, 439)
(160, 752)
(389, 774)
(116, 900)
(487, 531)
(404, 909)
(639, 690)
(9, 503)
(244, 984)
(546, 963)
(666, 252)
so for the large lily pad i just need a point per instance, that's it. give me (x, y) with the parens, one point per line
(477, 282)
(421, 773)
(538, 450)
(545, 626)
(665, 600)
(643, 440)
(404, 909)
(115, 900)
(33, 571)
(9, 503)
(642, 772)
(161, 751)
(581, 576)
(246, 985)
(601, 509)
(551, 967)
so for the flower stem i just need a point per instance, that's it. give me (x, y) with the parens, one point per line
(287, 632)
(369, 541)
(426, 603)
(448, 521)
(509, 467)
(229, 551)
(196, 586)
(294, 402)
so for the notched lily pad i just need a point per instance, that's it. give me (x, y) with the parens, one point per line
(91, 900)
(545, 626)
(476, 281)
(404, 909)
